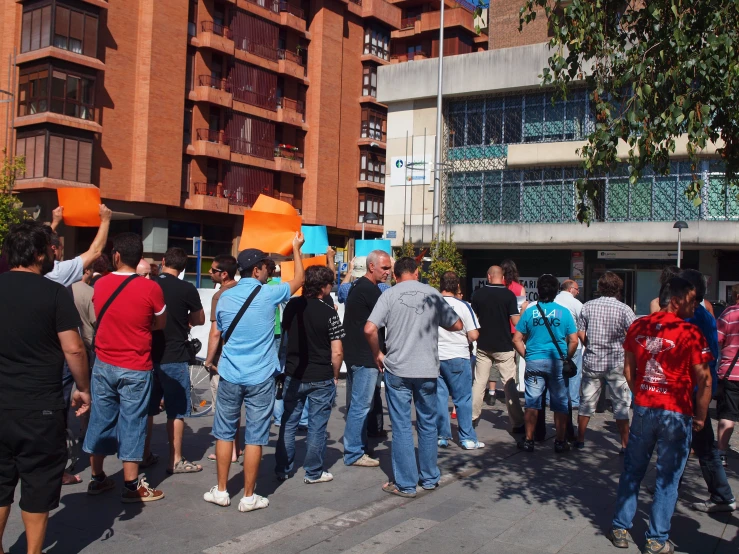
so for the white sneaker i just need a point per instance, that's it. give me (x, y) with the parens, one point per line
(711, 507)
(366, 461)
(259, 503)
(214, 496)
(472, 445)
(324, 478)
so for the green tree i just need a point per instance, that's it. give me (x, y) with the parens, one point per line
(444, 257)
(10, 207)
(657, 70)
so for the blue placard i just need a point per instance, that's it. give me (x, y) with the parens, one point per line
(316, 239)
(364, 247)
(391, 234)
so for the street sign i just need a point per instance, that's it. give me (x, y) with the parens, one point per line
(391, 234)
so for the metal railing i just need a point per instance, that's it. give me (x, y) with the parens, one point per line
(289, 155)
(271, 5)
(262, 50)
(408, 22)
(219, 83)
(294, 10)
(215, 28)
(256, 149)
(291, 56)
(212, 136)
(266, 101)
(290, 104)
(206, 189)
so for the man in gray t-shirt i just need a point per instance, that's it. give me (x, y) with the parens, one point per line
(411, 313)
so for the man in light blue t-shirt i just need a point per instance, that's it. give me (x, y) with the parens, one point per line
(543, 360)
(247, 367)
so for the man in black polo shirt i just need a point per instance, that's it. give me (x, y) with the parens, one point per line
(360, 362)
(496, 308)
(171, 360)
(39, 331)
(314, 358)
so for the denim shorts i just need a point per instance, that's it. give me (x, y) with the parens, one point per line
(120, 406)
(171, 382)
(259, 402)
(541, 374)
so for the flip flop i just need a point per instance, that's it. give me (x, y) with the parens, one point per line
(77, 480)
(149, 461)
(183, 466)
(392, 488)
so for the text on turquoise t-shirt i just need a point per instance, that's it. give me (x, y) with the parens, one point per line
(539, 345)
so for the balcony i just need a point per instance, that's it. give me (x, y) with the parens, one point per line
(216, 36)
(430, 21)
(409, 22)
(213, 144)
(290, 111)
(288, 159)
(291, 63)
(262, 51)
(207, 196)
(266, 9)
(214, 90)
(410, 56)
(252, 148)
(60, 54)
(58, 119)
(370, 185)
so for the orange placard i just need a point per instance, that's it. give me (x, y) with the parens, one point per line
(273, 206)
(269, 232)
(81, 206)
(287, 269)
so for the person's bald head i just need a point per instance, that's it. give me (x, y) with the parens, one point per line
(495, 275)
(143, 269)
(570, 286)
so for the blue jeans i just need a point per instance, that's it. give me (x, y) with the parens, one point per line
(171, 382)
(259, 403)
(399, 391)
(281, 351)
(118, 416)
(574, 385)
(375, 419)
(670, 432)
(545, 375)
(364, 381)
(296, 394)
(456, 378)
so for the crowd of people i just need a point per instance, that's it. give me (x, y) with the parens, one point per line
(109, 338)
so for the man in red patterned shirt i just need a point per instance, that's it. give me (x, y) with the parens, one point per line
(666, 359)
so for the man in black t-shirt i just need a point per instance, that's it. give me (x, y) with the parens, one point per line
(496, 308)
(360, 362)
(171, 360)
(36, 340)
(314, 357)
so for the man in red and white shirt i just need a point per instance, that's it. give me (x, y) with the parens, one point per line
(122, 375)
(666, 359)
(727, 403)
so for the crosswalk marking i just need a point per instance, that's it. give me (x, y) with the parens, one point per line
(384, 542)
(274, 532)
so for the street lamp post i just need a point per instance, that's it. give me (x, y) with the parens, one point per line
(369, 216)
(679, 225)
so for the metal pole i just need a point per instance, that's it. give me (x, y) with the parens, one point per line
(199, 254)
(363, 226)
(679, 245)
(437, 153)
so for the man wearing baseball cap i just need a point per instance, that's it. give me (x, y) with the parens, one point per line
(247, 367)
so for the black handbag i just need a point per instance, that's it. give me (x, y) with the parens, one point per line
(569, 369)
(193, 346)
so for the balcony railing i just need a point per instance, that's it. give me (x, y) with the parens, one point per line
(241, 196)
(375, 133)
(294, 10)
(212, 136)
(408, 22)
(291, 56)
(289, 154)
(290, 104)
(271, 5)
(266, 101)
(215, 28)
(261, 50)
(207, 189)
(257, 149)
(215, 82)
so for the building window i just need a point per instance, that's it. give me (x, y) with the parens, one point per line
(192, 18)
(374, 124)
(75, 31)
(372, 203)
(70, 159)
(376, 42)
(70, 94)
(33, 92)
(372, 167)
(33, 148)
(369, 81)
(36, 29)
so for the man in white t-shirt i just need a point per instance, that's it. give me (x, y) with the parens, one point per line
(455, 375)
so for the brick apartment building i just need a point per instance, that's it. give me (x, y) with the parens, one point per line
(509, 163)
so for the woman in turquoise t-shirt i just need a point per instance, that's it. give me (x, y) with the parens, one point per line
(543, 361)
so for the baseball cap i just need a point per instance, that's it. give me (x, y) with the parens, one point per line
(360, 266)
(250, 257)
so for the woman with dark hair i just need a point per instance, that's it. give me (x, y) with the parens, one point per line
(533, 341)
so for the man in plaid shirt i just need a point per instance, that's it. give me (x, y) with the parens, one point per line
(602, 329)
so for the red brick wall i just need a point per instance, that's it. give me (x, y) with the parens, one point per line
(503, 26)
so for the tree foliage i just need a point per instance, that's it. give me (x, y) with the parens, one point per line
(444, 257)
(657, 70)
(10, 207)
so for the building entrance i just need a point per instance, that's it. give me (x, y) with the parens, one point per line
(641, 285)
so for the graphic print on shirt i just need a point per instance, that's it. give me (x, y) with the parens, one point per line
(554, 321)
(415, 300)
(653, 372)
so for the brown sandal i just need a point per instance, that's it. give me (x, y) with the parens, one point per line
(183, 466)
(392, 488)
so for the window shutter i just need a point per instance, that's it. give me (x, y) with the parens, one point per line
(45, 26)
(30, 157)
(56, 153)
(85, 162)
(20, 150)
(77, 27)
(70, 159)
(62, 21)
(40, 156)
(26, 32)
(36, 30)
(91, 36)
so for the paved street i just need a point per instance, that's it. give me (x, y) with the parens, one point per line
(497, 500)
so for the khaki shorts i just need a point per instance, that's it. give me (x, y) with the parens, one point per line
(618, 389)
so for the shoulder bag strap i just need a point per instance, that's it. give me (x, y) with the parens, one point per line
(551, 334)
(105, 307)
(351, 288)
(236, 319)
(731, 367)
